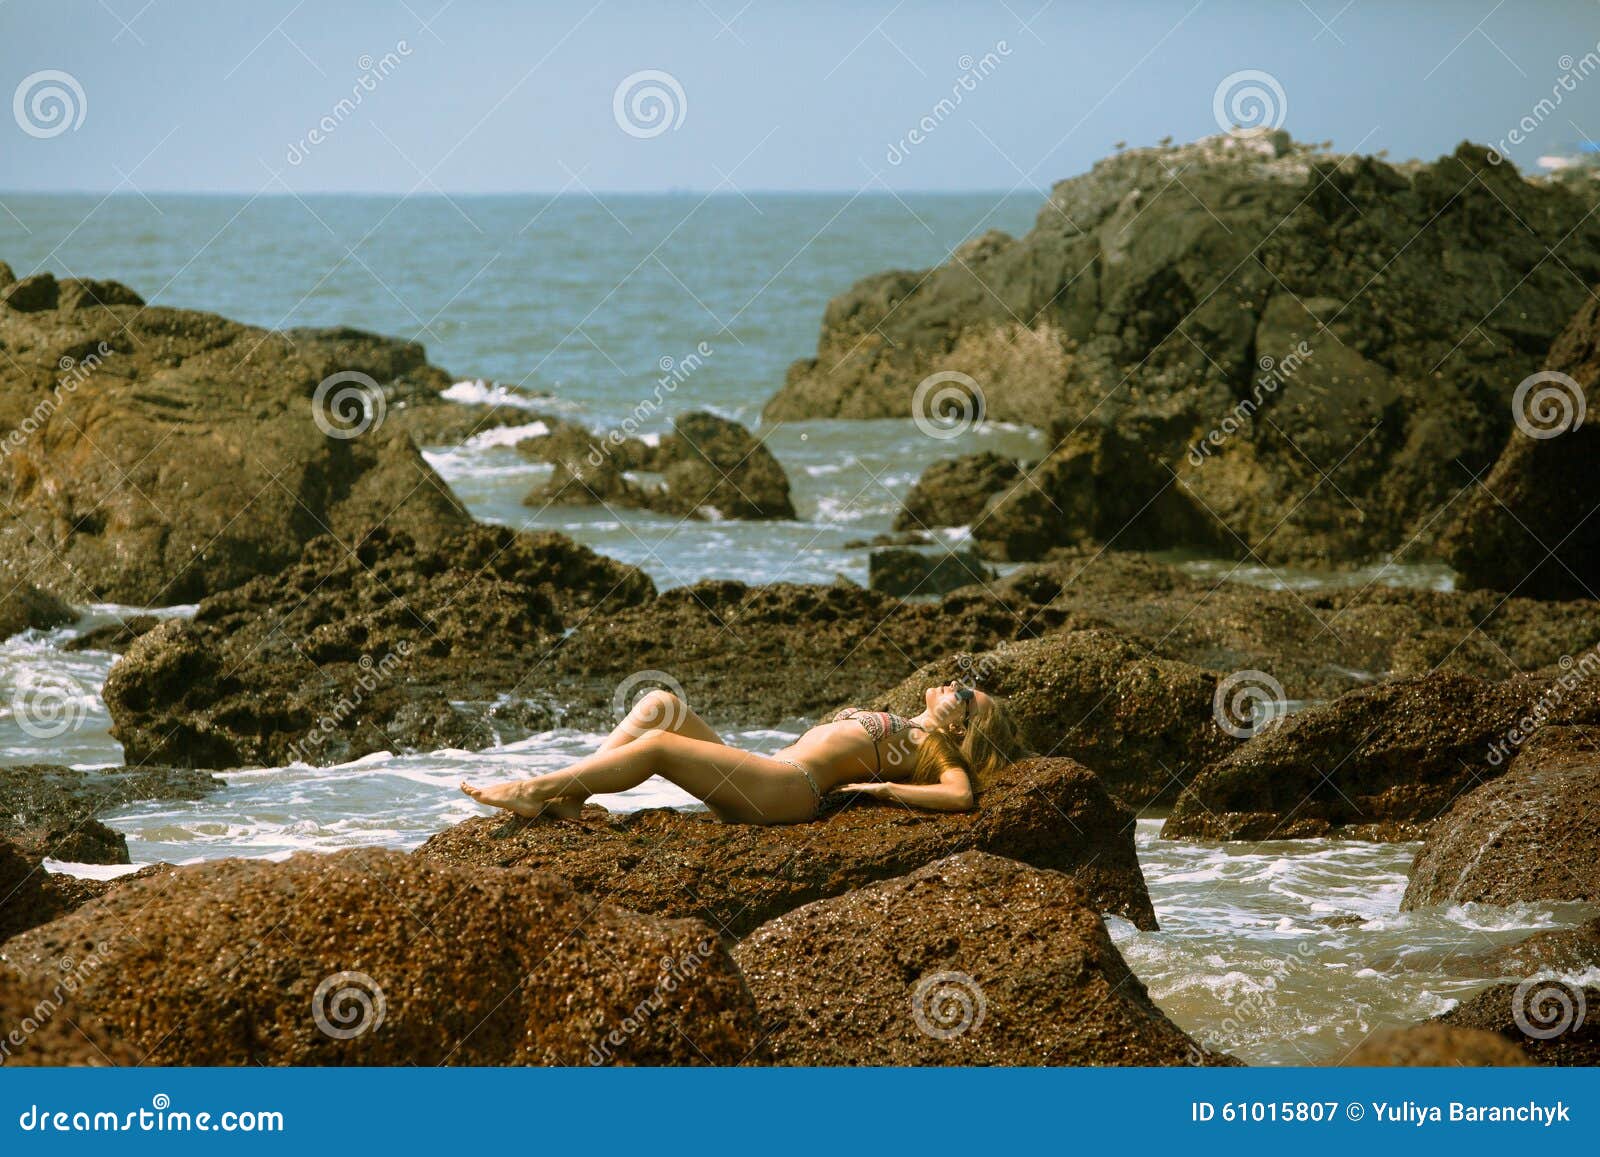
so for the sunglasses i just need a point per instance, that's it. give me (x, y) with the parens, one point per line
(965, 696)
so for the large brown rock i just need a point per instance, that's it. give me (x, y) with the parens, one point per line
(954, 491)
(1531, 834)
(41, 1028)
(972, 960)
(1375, 762)
(1168, 312)
(1561, 950)
(1552, 1021)
(1434, 1045)
(243, 962)
(27, 897)
(1527, 527)
(1143, 723)
(1052, 813)
(157, 455)
(25, 607)
(347, 652)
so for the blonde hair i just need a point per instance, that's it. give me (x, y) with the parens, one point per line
(990, 741)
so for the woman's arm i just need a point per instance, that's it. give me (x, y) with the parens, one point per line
(953, 792)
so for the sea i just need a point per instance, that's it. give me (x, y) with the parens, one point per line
(583, 306)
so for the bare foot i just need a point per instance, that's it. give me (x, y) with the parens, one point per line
(521, 797)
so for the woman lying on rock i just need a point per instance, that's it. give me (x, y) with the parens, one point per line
(933, 760)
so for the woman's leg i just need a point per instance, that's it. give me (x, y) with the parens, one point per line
(653, 712)
(738, 786)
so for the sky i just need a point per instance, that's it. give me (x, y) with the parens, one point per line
(485, 96)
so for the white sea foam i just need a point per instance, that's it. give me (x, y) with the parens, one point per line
(477, 391)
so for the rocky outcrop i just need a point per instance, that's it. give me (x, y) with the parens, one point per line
(155, 455)
(1277, 314)
(1532, 834)
(27, 898)
(1566, 951)
(41, 1029)
(1376, 762)
(372, 957)
(1052, 813)
(972, 960)
(1551, 1021)
(953, 491)
(711, 467)
(762, 656)
(905, 572)
(1526, 528)
(50, 810)
(1143, 723)
(391, 645)
(25, 607)
(1435, 1045)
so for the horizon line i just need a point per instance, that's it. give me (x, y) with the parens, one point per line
(589, 194)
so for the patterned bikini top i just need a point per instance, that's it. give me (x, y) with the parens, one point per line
(878, 725)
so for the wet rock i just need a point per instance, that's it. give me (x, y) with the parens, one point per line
(1144, 724)
(394, 645)
(1052, 813)
(50, 810)
(27, 898)
(376, 957)
(158, 455)
(1306, 309)
(41, 1028)
(711, 468)
(954, 491)
(1375, 763)
(763, 656)
(25, 607)
(1531, 834)
(1435, 1046)
(904, 572)
(1094, 487)
(1550, 1020)
(1526, 528)
(1567, 951)
(971, 960)
(897, 538)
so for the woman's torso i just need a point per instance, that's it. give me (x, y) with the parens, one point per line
(857, 745)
